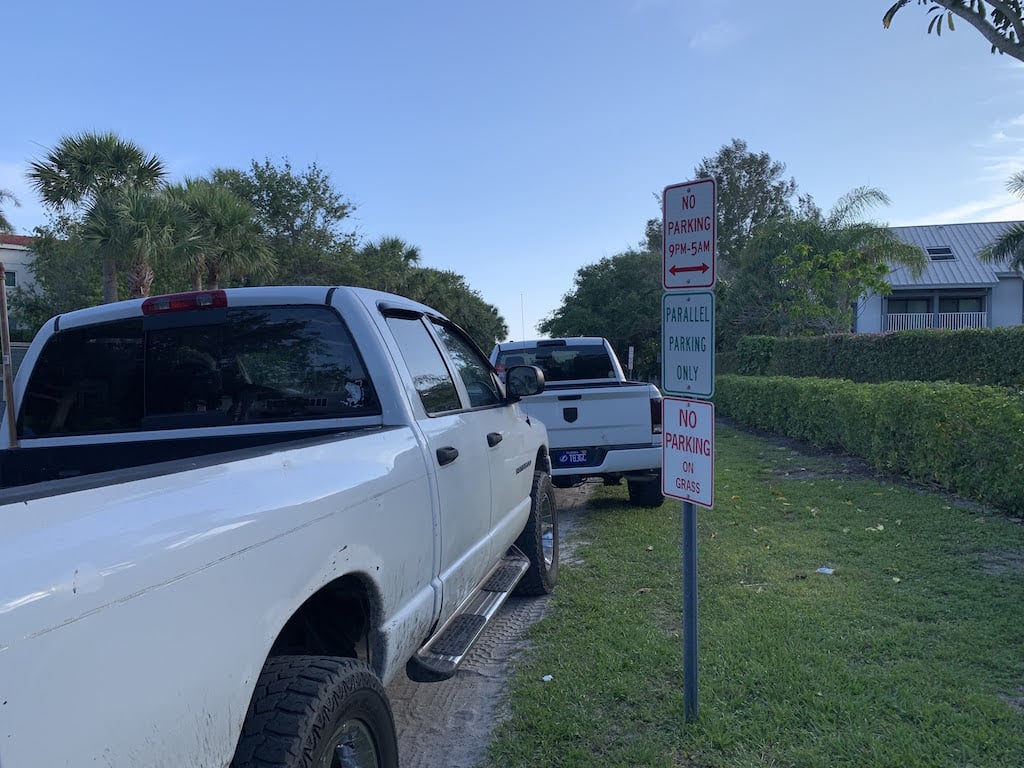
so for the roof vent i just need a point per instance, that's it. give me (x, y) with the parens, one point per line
(940, 253)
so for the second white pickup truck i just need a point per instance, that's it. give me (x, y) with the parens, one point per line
(599, 423)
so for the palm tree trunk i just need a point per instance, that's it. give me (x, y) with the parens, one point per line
(140, 279)
(109, 279)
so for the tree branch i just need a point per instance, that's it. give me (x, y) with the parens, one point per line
(1013, 16)
(977, 20)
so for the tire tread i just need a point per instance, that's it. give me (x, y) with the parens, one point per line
(538, 580)
(294, 699)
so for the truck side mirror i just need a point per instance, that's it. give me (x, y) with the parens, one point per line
(523, 380)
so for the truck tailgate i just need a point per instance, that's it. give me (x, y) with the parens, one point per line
(594, 416)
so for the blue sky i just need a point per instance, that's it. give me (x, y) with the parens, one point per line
(516, 142)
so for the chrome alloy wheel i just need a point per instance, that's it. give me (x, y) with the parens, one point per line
(352, 747)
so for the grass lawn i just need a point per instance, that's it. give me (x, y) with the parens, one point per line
(911, 653)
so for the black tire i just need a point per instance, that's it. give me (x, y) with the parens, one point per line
(306, 707)
(539, 539)
(646, 493)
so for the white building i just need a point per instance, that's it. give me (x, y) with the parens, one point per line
(16, 254)
(956, 290)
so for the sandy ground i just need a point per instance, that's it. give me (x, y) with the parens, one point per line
(449, 724)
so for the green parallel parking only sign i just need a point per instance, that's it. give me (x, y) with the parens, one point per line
(688, 343)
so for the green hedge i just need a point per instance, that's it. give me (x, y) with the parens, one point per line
(987, 356)
(968, 439)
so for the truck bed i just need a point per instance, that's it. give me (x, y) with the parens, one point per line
(53, 470)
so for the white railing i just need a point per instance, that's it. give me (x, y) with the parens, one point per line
(958, 320)
(904, 321)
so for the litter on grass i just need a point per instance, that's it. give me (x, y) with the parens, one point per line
(826, 571)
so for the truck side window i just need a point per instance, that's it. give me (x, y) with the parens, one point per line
(473, 369)
(86, 380)
(430, 375)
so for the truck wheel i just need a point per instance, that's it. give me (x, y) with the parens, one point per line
(646, 493)
(317, 712)
(539, 539)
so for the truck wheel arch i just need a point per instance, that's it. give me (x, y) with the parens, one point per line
(543, 463)
(336, 620)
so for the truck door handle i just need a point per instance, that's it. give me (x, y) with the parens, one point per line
(493, 438)
(447, 455)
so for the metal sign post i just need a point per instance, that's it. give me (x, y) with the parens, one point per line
(690, 611)
(689, 243)
(688, 472)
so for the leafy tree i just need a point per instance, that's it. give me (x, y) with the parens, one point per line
(751, 190)
(5, 225)
(393, 265)
(1001, 22)
(88, 173)
(224, 241)
(804, 273)
(619, 297)
(301, 215)
(63, 279)
(448, 293)
(386, 264)
(1011, 244)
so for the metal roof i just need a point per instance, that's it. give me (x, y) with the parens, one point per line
(965, 269)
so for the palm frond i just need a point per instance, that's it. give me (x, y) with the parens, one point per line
(1015, 184)
(1009, 246)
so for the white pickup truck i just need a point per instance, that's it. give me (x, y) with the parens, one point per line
(228, 518)
(600, 425)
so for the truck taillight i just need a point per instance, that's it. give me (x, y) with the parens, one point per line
(655, 415)
(180, 302)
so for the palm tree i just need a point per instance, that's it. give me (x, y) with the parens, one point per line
(5, 224)
(802, 273)
(138, 228)
(226, 242)
(1011, 244)
(387, 264)
(89, 172)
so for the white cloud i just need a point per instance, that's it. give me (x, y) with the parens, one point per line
(996, 207)
(715, 37)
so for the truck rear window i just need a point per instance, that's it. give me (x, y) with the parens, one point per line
(563, 363)
(194, 369)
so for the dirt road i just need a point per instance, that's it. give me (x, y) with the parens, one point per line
(449, 724)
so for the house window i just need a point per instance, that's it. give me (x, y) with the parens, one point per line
(940, 253)
(962, 304)
(9, 278)
(908, 306)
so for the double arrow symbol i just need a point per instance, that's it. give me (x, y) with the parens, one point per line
(702, 268)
